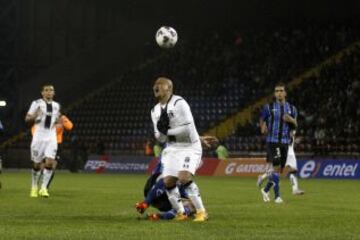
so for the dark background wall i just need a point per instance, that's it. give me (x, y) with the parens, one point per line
(80, 44)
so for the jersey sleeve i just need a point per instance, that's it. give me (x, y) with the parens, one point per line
(265, 112)
(33, 108)
(184, 110)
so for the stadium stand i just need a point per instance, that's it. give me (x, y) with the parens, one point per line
(328, 113)
(218, 74)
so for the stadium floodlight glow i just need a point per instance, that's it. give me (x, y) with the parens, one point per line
(2, 103)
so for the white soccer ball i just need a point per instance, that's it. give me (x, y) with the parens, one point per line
(166, 37)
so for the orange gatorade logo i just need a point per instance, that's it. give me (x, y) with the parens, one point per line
(242, 167)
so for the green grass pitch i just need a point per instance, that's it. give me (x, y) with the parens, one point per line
(90, 206)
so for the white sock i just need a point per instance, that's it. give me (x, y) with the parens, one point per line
(294, 181)
(194, 194)
(175, 200)
(35, 175)
(46, 177)
(264, 176)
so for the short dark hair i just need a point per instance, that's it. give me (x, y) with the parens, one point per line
(46, 85)
(280, 84)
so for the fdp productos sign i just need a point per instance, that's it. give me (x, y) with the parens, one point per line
(242, 167)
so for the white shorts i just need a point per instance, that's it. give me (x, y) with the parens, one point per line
(291, 158)
(41, 149)
(180, 159)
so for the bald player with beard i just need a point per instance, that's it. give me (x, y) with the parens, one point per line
(174, 124)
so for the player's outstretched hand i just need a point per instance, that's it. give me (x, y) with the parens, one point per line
(209, 141)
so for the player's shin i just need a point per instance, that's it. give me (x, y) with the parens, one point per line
(193, 193)
(47, 173)
(35, 176)
(174, 198)
(276, 180)
(269, 184)
(294, 181)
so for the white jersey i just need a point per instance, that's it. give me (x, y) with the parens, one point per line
(47, 115)
(182, 130)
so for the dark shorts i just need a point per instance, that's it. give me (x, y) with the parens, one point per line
(276, 154)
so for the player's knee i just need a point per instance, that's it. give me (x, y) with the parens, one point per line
(185, 177)
(48, 166)
(36, 167)
(49, 163)
(187, 184)
(54, 165)
(169, 182)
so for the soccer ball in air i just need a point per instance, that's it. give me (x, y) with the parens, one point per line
(166, 37)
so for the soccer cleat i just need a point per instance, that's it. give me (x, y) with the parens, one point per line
(34, 192)
(180, 217)
(141, 207)
(298, 192)
(278, 200)
(259, 181)
(265, 195)
(44, 193)
(201, 216)
(153, 216)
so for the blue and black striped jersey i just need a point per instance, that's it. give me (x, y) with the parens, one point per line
(278, 129)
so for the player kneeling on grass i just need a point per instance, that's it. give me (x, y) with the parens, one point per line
(155, 192)
(155, 196)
